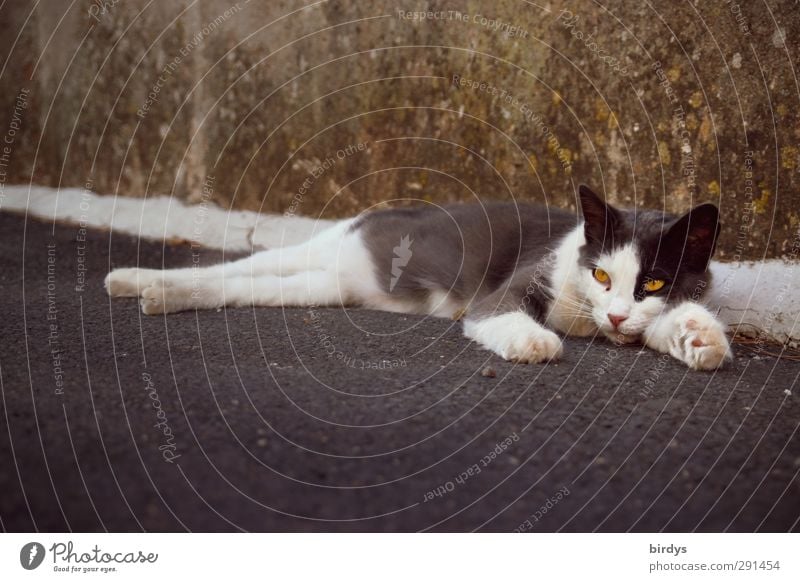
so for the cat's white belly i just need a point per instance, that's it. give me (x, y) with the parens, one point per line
(438, 304)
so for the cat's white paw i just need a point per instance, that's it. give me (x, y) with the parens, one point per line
(541, 346)
(693, 335)
(159, 298)
(153, 300)
(122, 283)
(701, 342)
(130, 282)
(515, 337)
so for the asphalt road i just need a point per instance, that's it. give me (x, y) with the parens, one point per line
(354, 420)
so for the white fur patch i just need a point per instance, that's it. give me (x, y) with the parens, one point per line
(617, 296)
(570, 311)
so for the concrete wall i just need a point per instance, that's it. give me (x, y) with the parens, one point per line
(328, 108)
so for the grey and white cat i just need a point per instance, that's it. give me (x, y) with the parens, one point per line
(516, 273)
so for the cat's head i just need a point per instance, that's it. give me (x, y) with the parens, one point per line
(635, 262)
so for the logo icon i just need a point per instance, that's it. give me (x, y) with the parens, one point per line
(31, 555)
(402, 254)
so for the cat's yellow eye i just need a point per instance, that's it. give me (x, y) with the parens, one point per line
(601, 276)
(652, 285)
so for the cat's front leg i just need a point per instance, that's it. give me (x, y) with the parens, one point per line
(507, 321)
(515, 336)
(692, 334)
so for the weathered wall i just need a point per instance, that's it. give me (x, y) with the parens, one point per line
(665, 104)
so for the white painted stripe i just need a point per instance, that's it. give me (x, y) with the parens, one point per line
(162, 218)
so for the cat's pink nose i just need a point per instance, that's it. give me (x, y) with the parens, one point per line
(616, 320)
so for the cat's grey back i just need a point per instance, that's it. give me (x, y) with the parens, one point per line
(464, 249)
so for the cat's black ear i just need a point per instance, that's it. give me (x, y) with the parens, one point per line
(600, 219)
(694, 236)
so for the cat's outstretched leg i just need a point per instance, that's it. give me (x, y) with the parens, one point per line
(309, 288)
(132, 282)
(317, 253)
(690, 333)
(515, 336)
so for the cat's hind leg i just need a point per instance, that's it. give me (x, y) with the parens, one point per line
(129, 282)
(316, 253)
(319, 287)
(691, 334)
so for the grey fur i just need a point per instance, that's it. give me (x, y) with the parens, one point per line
(496, 257)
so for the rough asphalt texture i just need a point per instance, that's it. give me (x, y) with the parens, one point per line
(274, 434)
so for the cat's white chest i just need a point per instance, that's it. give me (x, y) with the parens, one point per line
(569, 311)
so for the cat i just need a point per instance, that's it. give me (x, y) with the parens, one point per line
(515, 273)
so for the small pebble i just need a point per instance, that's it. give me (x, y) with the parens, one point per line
(488, 372)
